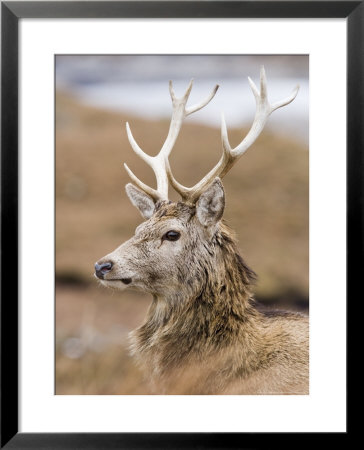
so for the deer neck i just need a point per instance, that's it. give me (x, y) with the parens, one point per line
(216, 315)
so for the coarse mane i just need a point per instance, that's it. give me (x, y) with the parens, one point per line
(206, 322)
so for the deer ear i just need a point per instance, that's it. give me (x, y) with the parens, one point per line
(142, 201)
(211, 204)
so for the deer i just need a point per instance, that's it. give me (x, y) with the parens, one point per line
(203, 333)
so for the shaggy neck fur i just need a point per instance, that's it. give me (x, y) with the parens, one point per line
(214, 317)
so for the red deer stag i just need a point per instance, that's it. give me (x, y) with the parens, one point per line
(202, 333)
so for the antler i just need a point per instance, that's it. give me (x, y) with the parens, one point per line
(159, 162)
(231, 155)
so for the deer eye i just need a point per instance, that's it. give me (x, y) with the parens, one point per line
(171, 236)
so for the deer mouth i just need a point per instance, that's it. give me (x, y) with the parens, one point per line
(117, 282)
(123, 280)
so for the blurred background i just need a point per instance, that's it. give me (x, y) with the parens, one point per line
(266, 191)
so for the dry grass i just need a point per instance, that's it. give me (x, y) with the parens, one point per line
(267, 206)
(92, 340)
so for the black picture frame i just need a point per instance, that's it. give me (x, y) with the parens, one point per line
(11, 13)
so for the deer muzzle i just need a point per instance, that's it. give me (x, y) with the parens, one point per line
(102, 269)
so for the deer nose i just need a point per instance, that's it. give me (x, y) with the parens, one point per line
(102, 269)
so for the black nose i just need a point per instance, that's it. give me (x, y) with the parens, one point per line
(101, 269)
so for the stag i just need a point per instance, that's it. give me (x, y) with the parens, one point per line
(203, 333)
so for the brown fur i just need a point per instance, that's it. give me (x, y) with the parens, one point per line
(206, 336)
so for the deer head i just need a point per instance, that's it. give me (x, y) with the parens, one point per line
(178, 242)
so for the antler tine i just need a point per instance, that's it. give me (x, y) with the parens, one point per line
(148, 159)
(152, 192)
(231, 155)
(199, 106)
(136, 147)
(160, 162)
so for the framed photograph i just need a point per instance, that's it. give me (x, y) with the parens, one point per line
(90, 86)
